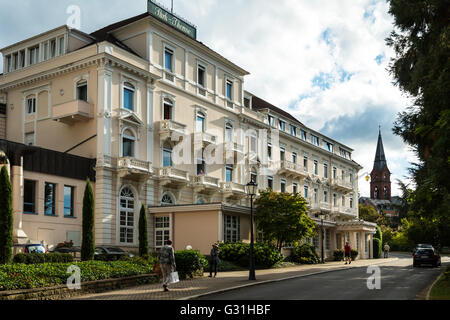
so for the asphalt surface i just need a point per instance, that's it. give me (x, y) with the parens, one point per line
(398, 280)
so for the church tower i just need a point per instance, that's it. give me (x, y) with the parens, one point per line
(380, 185)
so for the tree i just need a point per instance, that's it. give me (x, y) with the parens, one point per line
(88, 241)
(6, 217)
(422, 70)
(143, 233)
(282, 217)
(368, 213)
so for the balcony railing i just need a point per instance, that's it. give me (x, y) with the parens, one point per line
(206, 138)
(232, 187)
(340, 184)
(234, 147)
(134, 164)
(293, 169)
(172, 173)
(205, 183)
(325, 205)
(169, 127)
(73, 111)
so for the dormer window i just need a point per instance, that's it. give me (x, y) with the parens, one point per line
(33, 54)
(82, 90)
(271, 121)
(229, 90)
(314, 140)
(303, 135)
(282, 125)
(293, 130)
(52, 48)
(201, 76)
(61, 46)
(328, 146)
(128, 96)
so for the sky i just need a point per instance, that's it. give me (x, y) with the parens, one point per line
(324, 61)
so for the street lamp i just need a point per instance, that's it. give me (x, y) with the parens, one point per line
(322, 217)
(251, 191)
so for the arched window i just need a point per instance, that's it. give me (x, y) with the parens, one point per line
(228, 132)
(201, 122)
(128, 96)
(200, 200)
(126, 216)
(168, 109)
(128, 143)
(82, 90)
(386, 191)
(376, 193)
(254, 175)
(167, 156)
(167, 200)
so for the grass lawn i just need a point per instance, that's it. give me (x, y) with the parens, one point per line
(441, 289)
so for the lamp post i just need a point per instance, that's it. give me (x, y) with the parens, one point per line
(251, 191)
(322, 217)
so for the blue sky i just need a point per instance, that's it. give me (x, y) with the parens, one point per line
(324, 61)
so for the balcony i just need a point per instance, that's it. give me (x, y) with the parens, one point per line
(342, 186)
(205, 184)
(344, 211)
(325, 206)
(169, 128)
(134, 168)
(172, 177)
(233, 190)
(205, 138)
(73, 111)
(290, 169)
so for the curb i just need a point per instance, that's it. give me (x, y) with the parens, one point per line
(278, 280)
(427, 297)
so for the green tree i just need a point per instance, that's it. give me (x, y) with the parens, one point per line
(88, 240)
(6, 217)
(143, 233)
(368, 213)
(282, 217)
(421, 68)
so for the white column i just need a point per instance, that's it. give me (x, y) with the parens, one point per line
(19, 235)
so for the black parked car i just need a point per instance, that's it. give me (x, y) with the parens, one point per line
(426, 256)
(111, 253)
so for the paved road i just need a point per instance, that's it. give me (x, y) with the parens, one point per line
(399, 281)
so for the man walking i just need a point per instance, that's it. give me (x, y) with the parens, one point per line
(167, 263)
(348, 250)
(386, 250)
(214, 260)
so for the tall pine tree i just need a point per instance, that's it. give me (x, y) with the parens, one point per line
(143, 233)
(6, 217)
(88, 240)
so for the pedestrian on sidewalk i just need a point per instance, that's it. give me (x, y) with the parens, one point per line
(167, 262)
(214, 260)
(386, 250)
(348, 250)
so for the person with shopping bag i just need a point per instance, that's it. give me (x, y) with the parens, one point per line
(167, 264)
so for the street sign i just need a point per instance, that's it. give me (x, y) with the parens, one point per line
(165, 16)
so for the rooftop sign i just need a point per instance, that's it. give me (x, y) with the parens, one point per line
(169, 18)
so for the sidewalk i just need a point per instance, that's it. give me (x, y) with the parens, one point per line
(194, 288)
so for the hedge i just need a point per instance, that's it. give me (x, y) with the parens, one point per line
(190, 263)
(266, 256)
(377, 248)
(21, 276)
(37, 258)
(305, 254)
(338, 255)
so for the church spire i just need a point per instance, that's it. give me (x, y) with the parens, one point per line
(380, 157)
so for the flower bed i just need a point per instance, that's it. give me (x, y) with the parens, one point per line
(21, 276)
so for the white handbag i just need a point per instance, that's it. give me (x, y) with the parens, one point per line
(174, 278)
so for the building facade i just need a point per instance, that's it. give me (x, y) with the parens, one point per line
(154, 117)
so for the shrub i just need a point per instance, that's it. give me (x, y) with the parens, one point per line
(143, 233)
(377, 248)
(354, 254)
(379, 234)
(88, 241)
(338, 255)
(305, 254)
(266, 256)
(189, 263)
(39, 258)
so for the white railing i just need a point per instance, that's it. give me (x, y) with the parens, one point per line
(132, 163)
(338, 182)
(206, 181)
(325, 205)
(173, 173)
(205, 137)
(169, 125)
(233, 187)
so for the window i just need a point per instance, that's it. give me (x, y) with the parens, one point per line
(52, 48)
(8, 64)
(31, 105)
(293, 130)
(128, 141)
(282, 154)
(351, 203)
(82, 90)
(316, 166)
(305, 163)
(68, 201)
(325, 196)
(168, 107)
(294, 157)
(29, 197)
(50, 199)
(247, 102)
(168, 59)
(269, 151)
(281, 125)
(254, 176)
(61, 46)
(29, 139)
(303, 135)
(162, 231)
(228, 132)
(314, 140)
(283, 185)
(201, 165)
(335, 199)
(232, 226)
(315, 196)
(128, 96)
(345, 154)
(294, 188)
(201, 76)
(16, 61)
(270, 182)
(305, 192)
(33, 55)
(325, 170)
(343, 175)
(343, 201)
(45, 51)
(328, 146)
(271, 121)
(229, 173)
(126, 216)
(167, 200)
(334, 173)
(200, 122)
(327, 239)
(167, 156)
(22, 59)
(229, 90)
(253, 145)
(351, 177)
